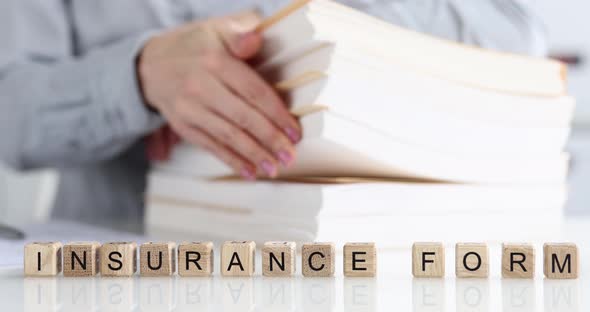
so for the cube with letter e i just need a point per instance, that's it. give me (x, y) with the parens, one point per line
(360, 259)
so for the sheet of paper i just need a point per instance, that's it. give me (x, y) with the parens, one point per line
(11, 251)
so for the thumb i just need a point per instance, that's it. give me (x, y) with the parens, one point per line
(239, 35)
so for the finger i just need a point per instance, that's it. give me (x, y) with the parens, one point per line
(195, 136)
(247, 84)
(238, 32)
(231, 136)
(251, 120)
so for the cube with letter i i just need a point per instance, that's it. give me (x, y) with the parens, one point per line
(278, 259)
(360, 259)
(237, 258)
(81, 259)
(195, 259)
(43, 259)
(471, 260)
(518, 260)
(560, 261)
(428, 260)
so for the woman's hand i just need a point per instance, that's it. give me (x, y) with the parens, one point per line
(197, 78)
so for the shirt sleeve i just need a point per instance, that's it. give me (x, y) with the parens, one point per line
(57, 110)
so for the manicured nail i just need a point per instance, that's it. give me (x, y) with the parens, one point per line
(269, 168)
(293, 135)
(248, 174)
(285, 158)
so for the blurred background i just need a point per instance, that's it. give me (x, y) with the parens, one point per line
(28, 197)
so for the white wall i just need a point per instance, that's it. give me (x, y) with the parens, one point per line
(568, 28)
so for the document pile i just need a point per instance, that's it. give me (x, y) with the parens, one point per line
(406, 137)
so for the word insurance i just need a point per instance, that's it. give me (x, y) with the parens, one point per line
(561, 260)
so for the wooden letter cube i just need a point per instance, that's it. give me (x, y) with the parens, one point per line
(81, 259)
(118, 259)
(278, 259)
(560, 261)
(317, 259)
(43, 259)
(157, 259)
(237, 258)
(518, 261)
(428, 260)
(360, 259)
(195, 259)
(471, 260)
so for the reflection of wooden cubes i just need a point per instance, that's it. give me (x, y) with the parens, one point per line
(118, 259)
(428, 260)
(518, 261)
(278, 259)
(38, 294)
(195, 259)
(117, 294)
(237, 258)
(360, 259)
(157, 259)
(560, 261)
(43, 259)
(471, 260)
(81, 259)
(317, 259)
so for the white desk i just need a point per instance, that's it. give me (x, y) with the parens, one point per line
(393, 289)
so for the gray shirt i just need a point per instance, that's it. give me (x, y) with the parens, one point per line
(69, 95)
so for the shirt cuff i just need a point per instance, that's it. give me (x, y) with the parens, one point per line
(125, 110)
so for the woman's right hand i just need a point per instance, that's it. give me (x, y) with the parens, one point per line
(197, 77)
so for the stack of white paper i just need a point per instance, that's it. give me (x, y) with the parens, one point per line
(444, 141)
(392, 214)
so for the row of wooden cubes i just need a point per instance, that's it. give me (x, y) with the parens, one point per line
(561, 260)
(194, 259)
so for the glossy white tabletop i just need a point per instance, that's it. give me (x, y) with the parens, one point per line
(393, 289)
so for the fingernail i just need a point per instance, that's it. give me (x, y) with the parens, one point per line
(293, 135)
(285, 158)
(247, 174)
(269, 168)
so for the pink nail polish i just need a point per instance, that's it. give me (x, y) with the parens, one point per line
(293, 135)
(269, 168)
(247, 174)
(285, 158)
